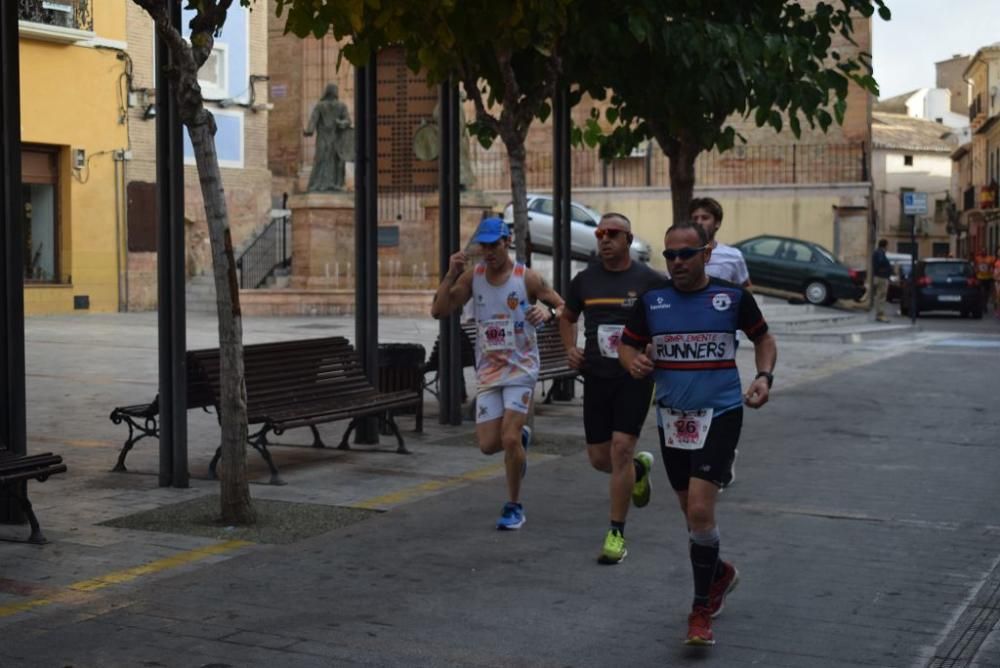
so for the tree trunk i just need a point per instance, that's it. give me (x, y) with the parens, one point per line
(234, 488)
(681, 153)
(519, 192)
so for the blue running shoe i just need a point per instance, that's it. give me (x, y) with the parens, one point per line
(511, 518)
(525, 442)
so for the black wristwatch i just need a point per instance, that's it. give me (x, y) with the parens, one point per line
(766, 374)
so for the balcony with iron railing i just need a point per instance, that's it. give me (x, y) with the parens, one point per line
(63, 21)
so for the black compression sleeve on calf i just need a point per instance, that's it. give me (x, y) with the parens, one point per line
(639, 469)
(704, 558)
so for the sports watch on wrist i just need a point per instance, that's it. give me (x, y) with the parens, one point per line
(766, 374)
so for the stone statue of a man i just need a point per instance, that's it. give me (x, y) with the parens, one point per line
(331, 122)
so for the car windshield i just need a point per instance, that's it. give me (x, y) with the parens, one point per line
(940, 270)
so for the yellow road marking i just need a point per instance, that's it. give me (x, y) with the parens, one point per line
(409, 493)
(73, 442)
(75, 590)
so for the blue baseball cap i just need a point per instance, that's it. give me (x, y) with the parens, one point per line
(490, 230)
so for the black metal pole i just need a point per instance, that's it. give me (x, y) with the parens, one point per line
(13, 420)
(365, 232)
(559, 211)
(562, 250)
(172, 323)
(450, 353)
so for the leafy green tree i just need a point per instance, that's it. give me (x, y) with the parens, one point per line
(679, 71)
(187, 57)
(505, 54)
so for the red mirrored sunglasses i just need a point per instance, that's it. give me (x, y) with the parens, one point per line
(600, 233)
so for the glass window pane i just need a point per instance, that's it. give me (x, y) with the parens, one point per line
(766, 247)
(39, 232)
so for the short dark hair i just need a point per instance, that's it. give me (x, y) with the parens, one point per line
(708, 204)
(620, 216)
(882, 243)
(688, 225)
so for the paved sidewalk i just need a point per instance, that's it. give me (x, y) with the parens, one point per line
(847, 559)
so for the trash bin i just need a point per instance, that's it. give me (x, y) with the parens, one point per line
(400, 367)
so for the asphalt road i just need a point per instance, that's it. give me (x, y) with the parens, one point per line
(864, 524)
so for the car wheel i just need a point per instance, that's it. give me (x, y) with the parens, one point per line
(817, 293)
(903, 308)
(978, 314)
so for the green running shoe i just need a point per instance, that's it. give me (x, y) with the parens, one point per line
(614, 548)
(641, 489)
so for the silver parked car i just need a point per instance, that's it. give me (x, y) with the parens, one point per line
(583, 223)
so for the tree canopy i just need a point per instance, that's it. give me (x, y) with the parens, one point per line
(678, 71)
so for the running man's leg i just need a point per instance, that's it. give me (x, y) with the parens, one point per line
(489, 419)
(622, 474)
(697, 476)
(514, 455)
(516, 403)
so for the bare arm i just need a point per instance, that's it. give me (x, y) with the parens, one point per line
(568, 335)
(455, 288)
(636, 362)
(765, 352)
(541, 291)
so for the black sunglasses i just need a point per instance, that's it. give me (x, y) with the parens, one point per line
(683, 253)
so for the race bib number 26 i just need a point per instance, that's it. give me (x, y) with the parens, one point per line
(686, 430)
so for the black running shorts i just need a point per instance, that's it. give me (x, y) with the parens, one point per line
(614, 404)
(713, 462)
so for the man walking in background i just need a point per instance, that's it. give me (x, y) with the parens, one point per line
(881, 272)
(726, 262)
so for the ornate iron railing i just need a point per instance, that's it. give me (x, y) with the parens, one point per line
(268, 252)
(76, 14)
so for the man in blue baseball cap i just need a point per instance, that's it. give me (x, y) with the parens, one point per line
(505, 296)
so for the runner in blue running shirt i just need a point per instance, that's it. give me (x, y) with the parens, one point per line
(683, 332)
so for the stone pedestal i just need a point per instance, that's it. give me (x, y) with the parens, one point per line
(322, 240)
(322, 280)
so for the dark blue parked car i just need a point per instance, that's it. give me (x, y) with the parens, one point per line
(943, 284)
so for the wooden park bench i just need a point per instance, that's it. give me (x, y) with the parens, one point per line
(305, 383)
(468, 343)
(16, 471)
(143, 419)
(289, 379)
(551, 353)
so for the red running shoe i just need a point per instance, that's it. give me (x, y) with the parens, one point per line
(700, 627)
(721, 588)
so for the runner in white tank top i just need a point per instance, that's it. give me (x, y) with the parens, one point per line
(506, 347)
(507, 359)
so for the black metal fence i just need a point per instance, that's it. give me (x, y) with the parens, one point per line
(269, 251)
(743, 165)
